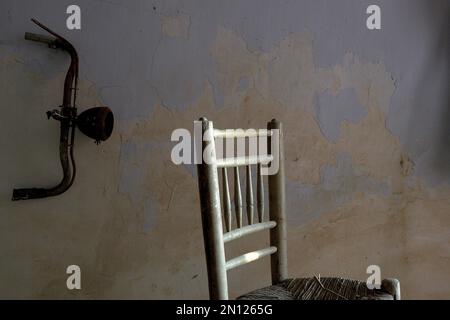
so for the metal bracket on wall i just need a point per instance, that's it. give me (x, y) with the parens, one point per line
(97, 123)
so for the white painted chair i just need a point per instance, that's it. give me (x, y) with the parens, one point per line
(215, 238)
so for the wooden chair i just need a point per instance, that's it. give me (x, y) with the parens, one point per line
(282, 287)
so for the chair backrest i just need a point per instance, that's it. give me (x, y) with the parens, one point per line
(213, 233)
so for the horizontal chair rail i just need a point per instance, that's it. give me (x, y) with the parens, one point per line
(241, 133)
(249, 257)
(243, 161)
(241, 232)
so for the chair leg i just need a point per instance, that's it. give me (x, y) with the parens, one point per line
(277, 210)
(392, 286)
(212, 219)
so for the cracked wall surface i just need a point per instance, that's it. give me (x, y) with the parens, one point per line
(367, 148)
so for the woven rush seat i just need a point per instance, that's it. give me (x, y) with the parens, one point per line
(322, 289)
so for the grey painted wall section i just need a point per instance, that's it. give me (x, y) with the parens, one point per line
(332, 110)
(368, 140)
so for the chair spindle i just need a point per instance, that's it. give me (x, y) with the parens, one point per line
(237, 197)
(249, 195)
(260, 193)
(226, 200)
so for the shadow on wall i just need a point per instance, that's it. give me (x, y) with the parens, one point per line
(433, 76)
(442, 159)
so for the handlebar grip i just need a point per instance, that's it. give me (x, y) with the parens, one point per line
(28, 193)
(39, 38)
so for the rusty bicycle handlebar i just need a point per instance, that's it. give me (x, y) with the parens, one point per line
(39, 38)
(96, 122)
(66, 115)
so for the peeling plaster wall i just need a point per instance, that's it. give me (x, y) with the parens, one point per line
(366, 116)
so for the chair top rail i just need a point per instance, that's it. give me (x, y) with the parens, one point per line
(241, 133)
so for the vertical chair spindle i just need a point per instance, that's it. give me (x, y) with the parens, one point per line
(249, 194)
(237, 198)
(226, 200)
(260, 193)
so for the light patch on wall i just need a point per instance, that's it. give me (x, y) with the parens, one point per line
(176, 26)
(234, 62)
(340, 183)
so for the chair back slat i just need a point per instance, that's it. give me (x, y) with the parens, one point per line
(241, 133)
(249, 257)
(246, 230)
(243, 161)
(249, 195)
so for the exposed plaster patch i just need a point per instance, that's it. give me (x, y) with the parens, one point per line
(339, 184)
(176, 26)
(234, 62)
(292, 75)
